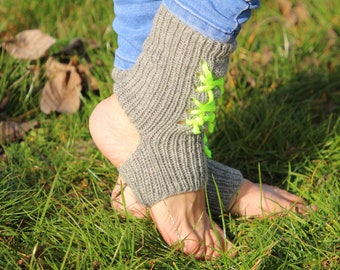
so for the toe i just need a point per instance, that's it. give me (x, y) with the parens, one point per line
(291, 197)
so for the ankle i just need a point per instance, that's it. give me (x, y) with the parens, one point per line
(237, 203)
(112, 131)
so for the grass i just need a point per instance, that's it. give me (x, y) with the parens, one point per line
(278, 123)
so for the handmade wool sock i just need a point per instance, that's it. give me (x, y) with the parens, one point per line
(223, 184)
(169, 97)
(223, 181)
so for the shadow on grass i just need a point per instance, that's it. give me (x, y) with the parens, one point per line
(288, 125)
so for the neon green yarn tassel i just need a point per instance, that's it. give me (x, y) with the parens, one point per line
(207, 151)
(204, 114)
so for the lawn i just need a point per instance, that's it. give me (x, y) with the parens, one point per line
(278, 123)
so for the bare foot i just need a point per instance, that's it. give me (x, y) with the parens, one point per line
(124, 201)
(181, 219)
(247, 203)
(190, 230)
(261, 200)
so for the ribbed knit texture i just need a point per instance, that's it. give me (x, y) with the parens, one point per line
(223, 181)
(222, 186)
(156, 95)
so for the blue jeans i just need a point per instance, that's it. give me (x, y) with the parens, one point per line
(219, 20)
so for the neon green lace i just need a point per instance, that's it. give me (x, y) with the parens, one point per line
(204, 113)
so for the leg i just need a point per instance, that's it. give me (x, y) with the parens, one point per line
(115, 136)
(238, 196)
(132, 23)
(165, 163)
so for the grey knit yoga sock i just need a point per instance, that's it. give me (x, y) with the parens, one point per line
(157, 95)
(223, 184)
(223, 181)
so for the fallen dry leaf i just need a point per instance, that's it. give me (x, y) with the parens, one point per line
(74, 47)
(62, 91)
(4, 100)
(11, 131)
(302, 13)
(285, 6)
(293, 14)
(77, 46)
(29, 44)
(88, 78)
(267, 55)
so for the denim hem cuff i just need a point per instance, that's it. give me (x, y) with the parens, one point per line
(220, 28)
(122, 63)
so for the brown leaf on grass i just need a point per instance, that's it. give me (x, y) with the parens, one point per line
(66, 83)
(75, 47)
(260, 59)
(285, 6)
(267, 55)
(302, 13)
(88, 79)
(293, 14)
(62, 91)
(11, 131)
(332, 37)
(78, 46)
(4, 100)
(29, 44)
